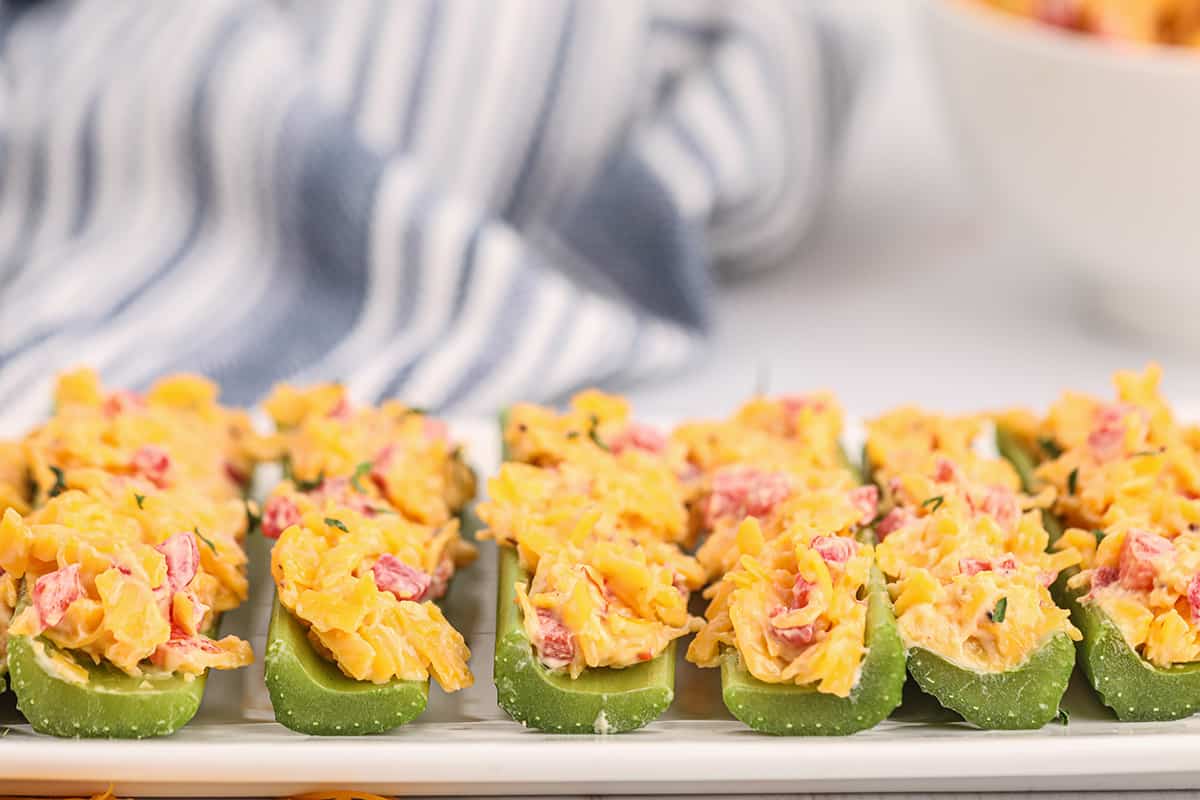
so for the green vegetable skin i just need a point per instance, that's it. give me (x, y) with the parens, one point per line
(1135, 689)
(112, 705)
(311, 695)
(598, 701)
(1023, 698)
(603, 700)
(783, 709)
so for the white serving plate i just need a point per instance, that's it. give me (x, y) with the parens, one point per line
(465, 745)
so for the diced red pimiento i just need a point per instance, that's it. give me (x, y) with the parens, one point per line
(54, 592)
(279, 514)
(1102, 577)
(1001, 504)
(405, 582)
(866, 500)
(340, 492)
(1193, 598)
(974, 566)
(946, 471)
(341, 409)
(794, 403)
(556, 644)
(380, 465)
(121, 401)
(1066, 14)
(834, 549)
(799, 594)
(895, 519)
(1138, 554)
(183, 559)
(637, 436)
(435, 430)
(645, 655)
(1107, 438)
(740, 492)
(236, 475)
(798, 636)
(152, 463)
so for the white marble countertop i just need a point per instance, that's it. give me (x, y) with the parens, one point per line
(911, 292)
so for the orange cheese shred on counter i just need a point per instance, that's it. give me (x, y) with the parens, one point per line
(964, 551)
(1127, 479)
(594, 508)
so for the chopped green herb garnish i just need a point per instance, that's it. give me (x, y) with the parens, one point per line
(204, 539)
(997, 613)
(60, 482)
(933, 503)
(1099, 534)
(1073, 481)
(360, 471)
(592, 433)
(572, 434)
(1141, 453)
(337, 523)
(1049, 446)
(424, 412)
(140, 498)
(308, 486)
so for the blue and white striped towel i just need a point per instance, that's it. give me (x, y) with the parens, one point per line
(457, 201)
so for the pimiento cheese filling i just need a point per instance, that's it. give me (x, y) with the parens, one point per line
(1127, 477)
(363, 586)
(594, 510)
(780, 510)
(773, 454)
(794, 606)
(367, 533)
(393, 454)
(134, 541)
(964, 552)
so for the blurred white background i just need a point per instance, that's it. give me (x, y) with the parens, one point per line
(912, 290)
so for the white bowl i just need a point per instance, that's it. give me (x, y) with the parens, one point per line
(1095, 146)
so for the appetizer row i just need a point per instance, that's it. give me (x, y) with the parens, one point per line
(984, 578)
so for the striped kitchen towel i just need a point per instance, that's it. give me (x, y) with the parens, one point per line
(460, 202)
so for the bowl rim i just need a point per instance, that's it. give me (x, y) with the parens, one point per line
(1052, 41)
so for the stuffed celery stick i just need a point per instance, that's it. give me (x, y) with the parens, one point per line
(1125, 476)
(593, 587)
(799, 621)
(131, 553)
(368, 540)
(964, 553)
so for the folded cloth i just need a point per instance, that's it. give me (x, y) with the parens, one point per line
(460, 202)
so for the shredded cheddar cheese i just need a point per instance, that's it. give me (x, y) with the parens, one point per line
(963, 550)
(392, 452)
(1127, 477)
(129, 542)
(795, 607)
(781, 509)
(328, 572)
(367, 533)
(593, 507)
